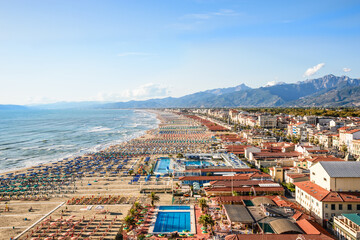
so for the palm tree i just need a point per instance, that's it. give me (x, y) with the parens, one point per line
(206, 220)
(154, 198)
(137, 206)
(203, 204)
(129, 220)
(132, 212)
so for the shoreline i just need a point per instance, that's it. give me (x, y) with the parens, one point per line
(89, 152)
(98, 185)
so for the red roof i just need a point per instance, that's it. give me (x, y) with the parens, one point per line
(296, 175)
(324, 159)
(239, 183)
(312, 189)
(245, 189)
(275, 154)
(324, 195)
(278, 237)
(307, 227)
(215, 178)
(236, 170)
(353, 131)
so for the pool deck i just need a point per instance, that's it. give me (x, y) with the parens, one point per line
(192, 218)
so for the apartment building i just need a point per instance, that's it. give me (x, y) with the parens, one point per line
(333, 189)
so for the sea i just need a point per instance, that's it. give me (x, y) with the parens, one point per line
(32, 136)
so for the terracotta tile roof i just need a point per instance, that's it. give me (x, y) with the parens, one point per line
(321, 150)
(352, 131)
(307, 227)
(312, 189)
(324, 195)
(343, 197)
(343, 128)
(324, 159)
(296, 175)
(276, 154)
(238, 183)
(245, 189)
(297, 215)
(215, 178)
(236, 170)
(238, 198)
(278, 237)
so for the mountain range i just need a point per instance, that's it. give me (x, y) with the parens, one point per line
(326, 91)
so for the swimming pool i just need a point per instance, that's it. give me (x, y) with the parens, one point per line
(172, 221)
(163, 165)
(197, 163)
(174, 208)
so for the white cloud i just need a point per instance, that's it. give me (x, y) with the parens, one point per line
(125, 54)
(41, 100)
(313, 70)
(146, 91)
(346, 69)
(205, 16)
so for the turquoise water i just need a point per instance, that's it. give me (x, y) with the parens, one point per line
(34, 136)
(197, 163)
(162, 165)
(172, 221)
(174, 208)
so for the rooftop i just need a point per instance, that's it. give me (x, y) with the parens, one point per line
(238, 213)
(343, 169)
(278, 237)
(354, 217)
(307, 227)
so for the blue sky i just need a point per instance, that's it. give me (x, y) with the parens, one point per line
(83, 50)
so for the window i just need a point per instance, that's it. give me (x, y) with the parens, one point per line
(326, 215)
(332, 206)
(325, 179)
(349, 207)
(340, 206)
(313, 173)
(326, 206)
(358, 207)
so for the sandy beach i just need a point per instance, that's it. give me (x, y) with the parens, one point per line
(77, 187)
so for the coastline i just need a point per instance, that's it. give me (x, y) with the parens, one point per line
(97, 185)
(91, 150)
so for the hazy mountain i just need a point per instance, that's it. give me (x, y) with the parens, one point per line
(272, 95)
(68, 105)
(221, 91)
(347, 96)
(12, 107)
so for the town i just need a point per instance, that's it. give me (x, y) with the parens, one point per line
(202, 174)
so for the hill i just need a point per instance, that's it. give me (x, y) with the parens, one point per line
(12, 107)
(302, 93)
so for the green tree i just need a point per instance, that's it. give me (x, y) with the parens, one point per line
(154, 198)
(137, 205)
(206, 220)
(129, 221)
(235, 193)
(203, 204)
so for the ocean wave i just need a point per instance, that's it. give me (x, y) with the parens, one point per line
(99, 129)
(43, 149)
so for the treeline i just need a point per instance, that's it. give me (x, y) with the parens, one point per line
(333, 112)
